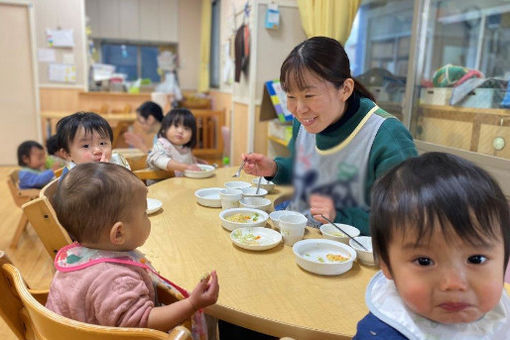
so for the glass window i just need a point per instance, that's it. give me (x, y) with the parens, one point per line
(124, 57)
(149, 56)
(378, 49)
(461, 85)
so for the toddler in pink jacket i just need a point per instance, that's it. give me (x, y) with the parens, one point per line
(103, 279)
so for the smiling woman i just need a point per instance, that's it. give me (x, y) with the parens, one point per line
(341, 141)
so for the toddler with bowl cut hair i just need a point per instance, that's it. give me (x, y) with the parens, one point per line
(102, 278)
(440, 227)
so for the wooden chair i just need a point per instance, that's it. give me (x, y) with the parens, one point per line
(209, 135)
(23, 311)
(138, 165)
(44, 220)
(20, 197)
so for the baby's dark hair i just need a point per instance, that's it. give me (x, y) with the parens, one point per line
(24, 150)
(90, 121)
(94, 196)
(150, 109)
(438, 190)
(52, 145)
(180, 117)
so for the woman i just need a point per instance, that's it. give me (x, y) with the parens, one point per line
(149, 115)
(341, 141)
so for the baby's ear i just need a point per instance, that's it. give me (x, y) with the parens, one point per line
(66, 155)
(385, 269)
(118, 234)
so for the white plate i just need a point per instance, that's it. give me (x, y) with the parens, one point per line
(311, 255)
(255, 238)
(261, 220)
(153, 205)
(237, 185)
(209, 197)
(251, 192)
(207, 171)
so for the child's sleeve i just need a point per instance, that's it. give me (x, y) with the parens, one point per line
(120, 297)
(158, 158)
(31, 179)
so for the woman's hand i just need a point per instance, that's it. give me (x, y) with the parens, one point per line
(206, 292)
(193, 167)
(259, 165)
(136, 140)
(322, 205)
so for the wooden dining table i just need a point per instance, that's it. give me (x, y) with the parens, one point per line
(265, 291)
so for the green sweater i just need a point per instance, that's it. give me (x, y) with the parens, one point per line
(392, 145)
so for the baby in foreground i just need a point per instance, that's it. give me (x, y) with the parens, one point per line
(441, 233)
(103, 279)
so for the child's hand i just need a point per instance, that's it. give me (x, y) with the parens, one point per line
(206, 292)
(193, 167)
(322, 205)
(259, 165)
(105, 157)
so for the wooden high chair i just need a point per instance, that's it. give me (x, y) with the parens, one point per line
(138, 165)
(20, 197)
(23, 310)
(44, 220)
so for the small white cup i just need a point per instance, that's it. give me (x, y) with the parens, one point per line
(230, 198)
(292, 227)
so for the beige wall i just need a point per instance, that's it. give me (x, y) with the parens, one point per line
(18, 102)
(65, 14)
(190, 13)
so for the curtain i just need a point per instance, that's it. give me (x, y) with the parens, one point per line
(330, 18)
(205, 46)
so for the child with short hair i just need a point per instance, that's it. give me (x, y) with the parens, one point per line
(104, 279)
(441, 232)
(87, 137)
(56, 156)
(32, 159)
(176, 137)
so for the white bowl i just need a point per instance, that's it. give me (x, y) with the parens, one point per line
(264, 183)
(256, 203)
(231, 225)
(275, 216)
(209, 197)
(364, 256)
(237, 185)
(153, 205)
(255, 238)
(205, 171)
(332, 233)
(251, 192)
(311, 255)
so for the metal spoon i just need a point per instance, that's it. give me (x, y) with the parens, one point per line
(258, 185)
(340, 229)
(238, 172)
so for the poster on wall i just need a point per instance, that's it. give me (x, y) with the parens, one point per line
(62, 73)
(60, 37)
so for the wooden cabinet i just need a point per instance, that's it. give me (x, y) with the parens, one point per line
(146, 20)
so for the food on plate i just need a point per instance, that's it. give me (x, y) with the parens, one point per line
(336, 257)
(243, 217)
(248, 238)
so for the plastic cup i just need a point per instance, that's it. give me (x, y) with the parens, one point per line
(230, 198)
(292, 227)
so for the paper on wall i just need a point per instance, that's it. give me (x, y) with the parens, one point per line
(46, 55)
(68, 58)
(63, 73)
(60, 38)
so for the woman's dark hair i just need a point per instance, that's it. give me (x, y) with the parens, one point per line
(438, 190)
(52, 145)
(90, 121)
(24, 150)
(324, 57)
(150, 109)
(178, 117)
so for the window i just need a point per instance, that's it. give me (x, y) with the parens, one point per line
(133, 60)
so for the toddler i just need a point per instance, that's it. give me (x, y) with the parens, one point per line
(103, 279)
(32, 159)
(441, 233)
(176, 137)
(56, 156)
(87, 137)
